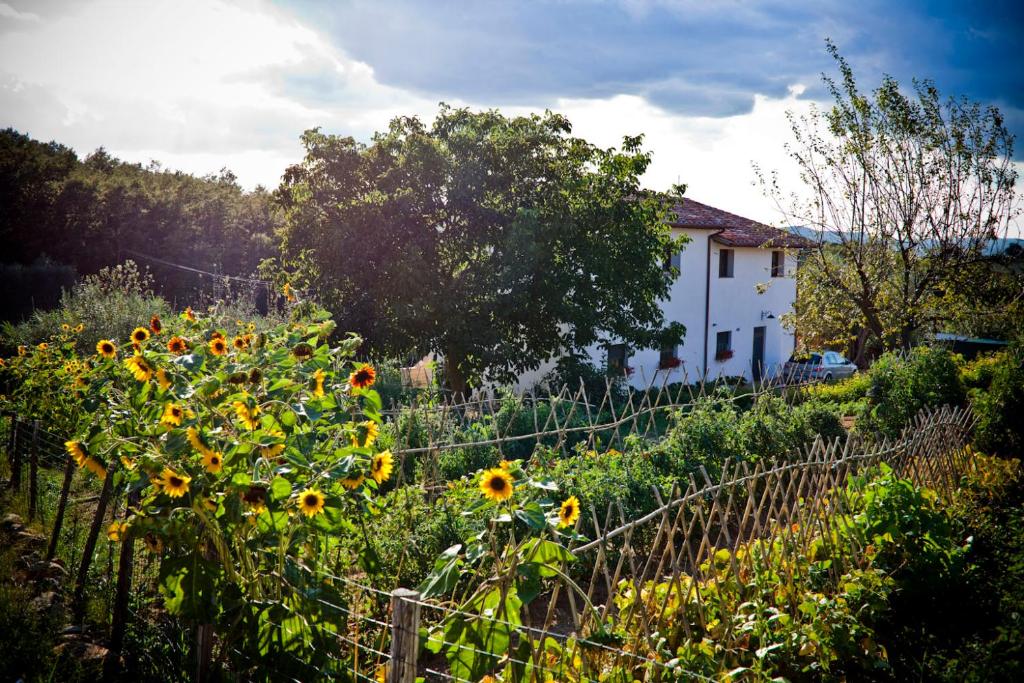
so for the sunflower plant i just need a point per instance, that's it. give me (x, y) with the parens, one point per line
(245, 456)
(496, 574)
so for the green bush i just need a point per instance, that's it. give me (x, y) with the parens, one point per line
(978, 373)
(903, 384)
(1000, 409)
(845, 390)
(705, 435)
(600, 479)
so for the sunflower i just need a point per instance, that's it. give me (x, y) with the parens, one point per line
(288, 295)
(381, 466)
(218, 346)
(22, 350)
(106, 348)
(189, 315)
(140, 367)
(79, 327)
(172, 415)
(77, 452)
(65, 327)
(256, 498)
(156, 325)
(96, 467)
(164, 379)
(116, 531)
(353, 482)
(213, 462)
(247, 415)
(174, 485)
(43, 346)
(177, 345)
(363, 378)
(240, 343)
(496, 484)
(210, 504)
(568, 512)
(192, 434)
(366, 434)
(275, 449)
(127, 462)
(311, 502)
(318, 383)
(139, 335)
(302, 350)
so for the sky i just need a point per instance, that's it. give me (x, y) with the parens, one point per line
(201, 85)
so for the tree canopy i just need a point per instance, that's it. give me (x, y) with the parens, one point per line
(496, 241)
(906, 191)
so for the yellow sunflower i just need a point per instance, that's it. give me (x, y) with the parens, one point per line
(116, 531)
(287, 291)
(240, 343)
(172, 415)
(189, 315)
(79, 327)
(218, 346)
(77, 451)
(352, 482)
(106, 348)
(139, 367)
(381, 466)
(311, 502)
(275, 449)
(139, 335)
(128, 463)
(192, 434)
(496, 484)
(247, 415)
(164, 379)
(366, 434)
(156, 325)
(177, 345)
(318, 383)
(96, 467)
(43, 346)
(22, 350)
(173, 484)
(213, 462)
(363, 378)
(568, 512)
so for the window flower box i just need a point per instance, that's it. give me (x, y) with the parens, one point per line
(724, 355)
(669, 363)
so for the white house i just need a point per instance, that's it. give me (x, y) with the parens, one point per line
(736, 281)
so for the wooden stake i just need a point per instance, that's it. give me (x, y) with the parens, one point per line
(405, 639)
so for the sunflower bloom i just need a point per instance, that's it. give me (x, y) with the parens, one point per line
(363, 378)
(189, 315)
(218, 346)
(256, 498)
(246, 415)
(128, 463)
(568, 512)
(79, 327)
(177, 345)
(496, 484)
(156, 325)
(96, 467)
(164, 379)
(106, 348)
(311, 502)
(318, 383)
(213, 462)
(173, 484)
(287, 291)
(275, 449)
(381, 466)
(139, 367)
(365, 434)
(240, 343)
(172, 415)
(192, 434)
(139, 335)
(352, 482)
(76, 451)
(116, 531)
(43, 346)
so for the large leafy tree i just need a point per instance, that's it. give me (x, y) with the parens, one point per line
(496, 241)
(906, 191)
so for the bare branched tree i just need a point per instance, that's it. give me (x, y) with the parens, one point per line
(903, 192)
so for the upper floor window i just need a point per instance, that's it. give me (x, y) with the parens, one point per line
(725, 261)
(617, 357)
(672, 260)
(778, 264)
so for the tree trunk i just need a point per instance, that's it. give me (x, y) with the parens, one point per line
(454, 377)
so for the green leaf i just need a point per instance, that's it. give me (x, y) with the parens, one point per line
(280, 488)
(532, 515)
(445, 575)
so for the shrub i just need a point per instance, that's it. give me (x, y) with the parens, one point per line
(1000, 409)
(978, 373)
(842, 391)
(902, 385)
(600, 479)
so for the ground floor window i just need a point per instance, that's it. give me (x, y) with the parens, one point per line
(668, 356)
(617, 357)
(723, 345)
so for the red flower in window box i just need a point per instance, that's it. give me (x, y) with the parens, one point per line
(628, 370)
(724, 355)
(669, 363)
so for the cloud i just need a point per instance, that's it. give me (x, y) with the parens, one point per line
(8, 12)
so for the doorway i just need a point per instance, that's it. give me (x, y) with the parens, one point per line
(757, 362)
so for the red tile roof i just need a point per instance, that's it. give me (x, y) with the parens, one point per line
(735, 231)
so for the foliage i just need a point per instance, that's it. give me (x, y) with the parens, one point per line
(978, 372)
(575, 371)
(844, 390)
(904, 383)
(38, 285)
(906, 190)
(705, 436)
(468, 237)
(1000, 426)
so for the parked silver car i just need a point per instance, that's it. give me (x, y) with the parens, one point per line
(824, 365)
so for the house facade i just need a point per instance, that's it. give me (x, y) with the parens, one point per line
(736, 280)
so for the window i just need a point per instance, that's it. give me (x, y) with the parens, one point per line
(723, 345)
(668, 357)
(725, 259)
(672, 259)
(778, 264)
(616, 357)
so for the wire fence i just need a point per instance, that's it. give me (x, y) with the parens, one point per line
(636, 576)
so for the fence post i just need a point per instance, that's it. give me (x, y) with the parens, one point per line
(10, 438)
(405, 638)
(15, 482)
(90, 544)
(33, 471)
(204, 652)
(58, 520)
(111, 664)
